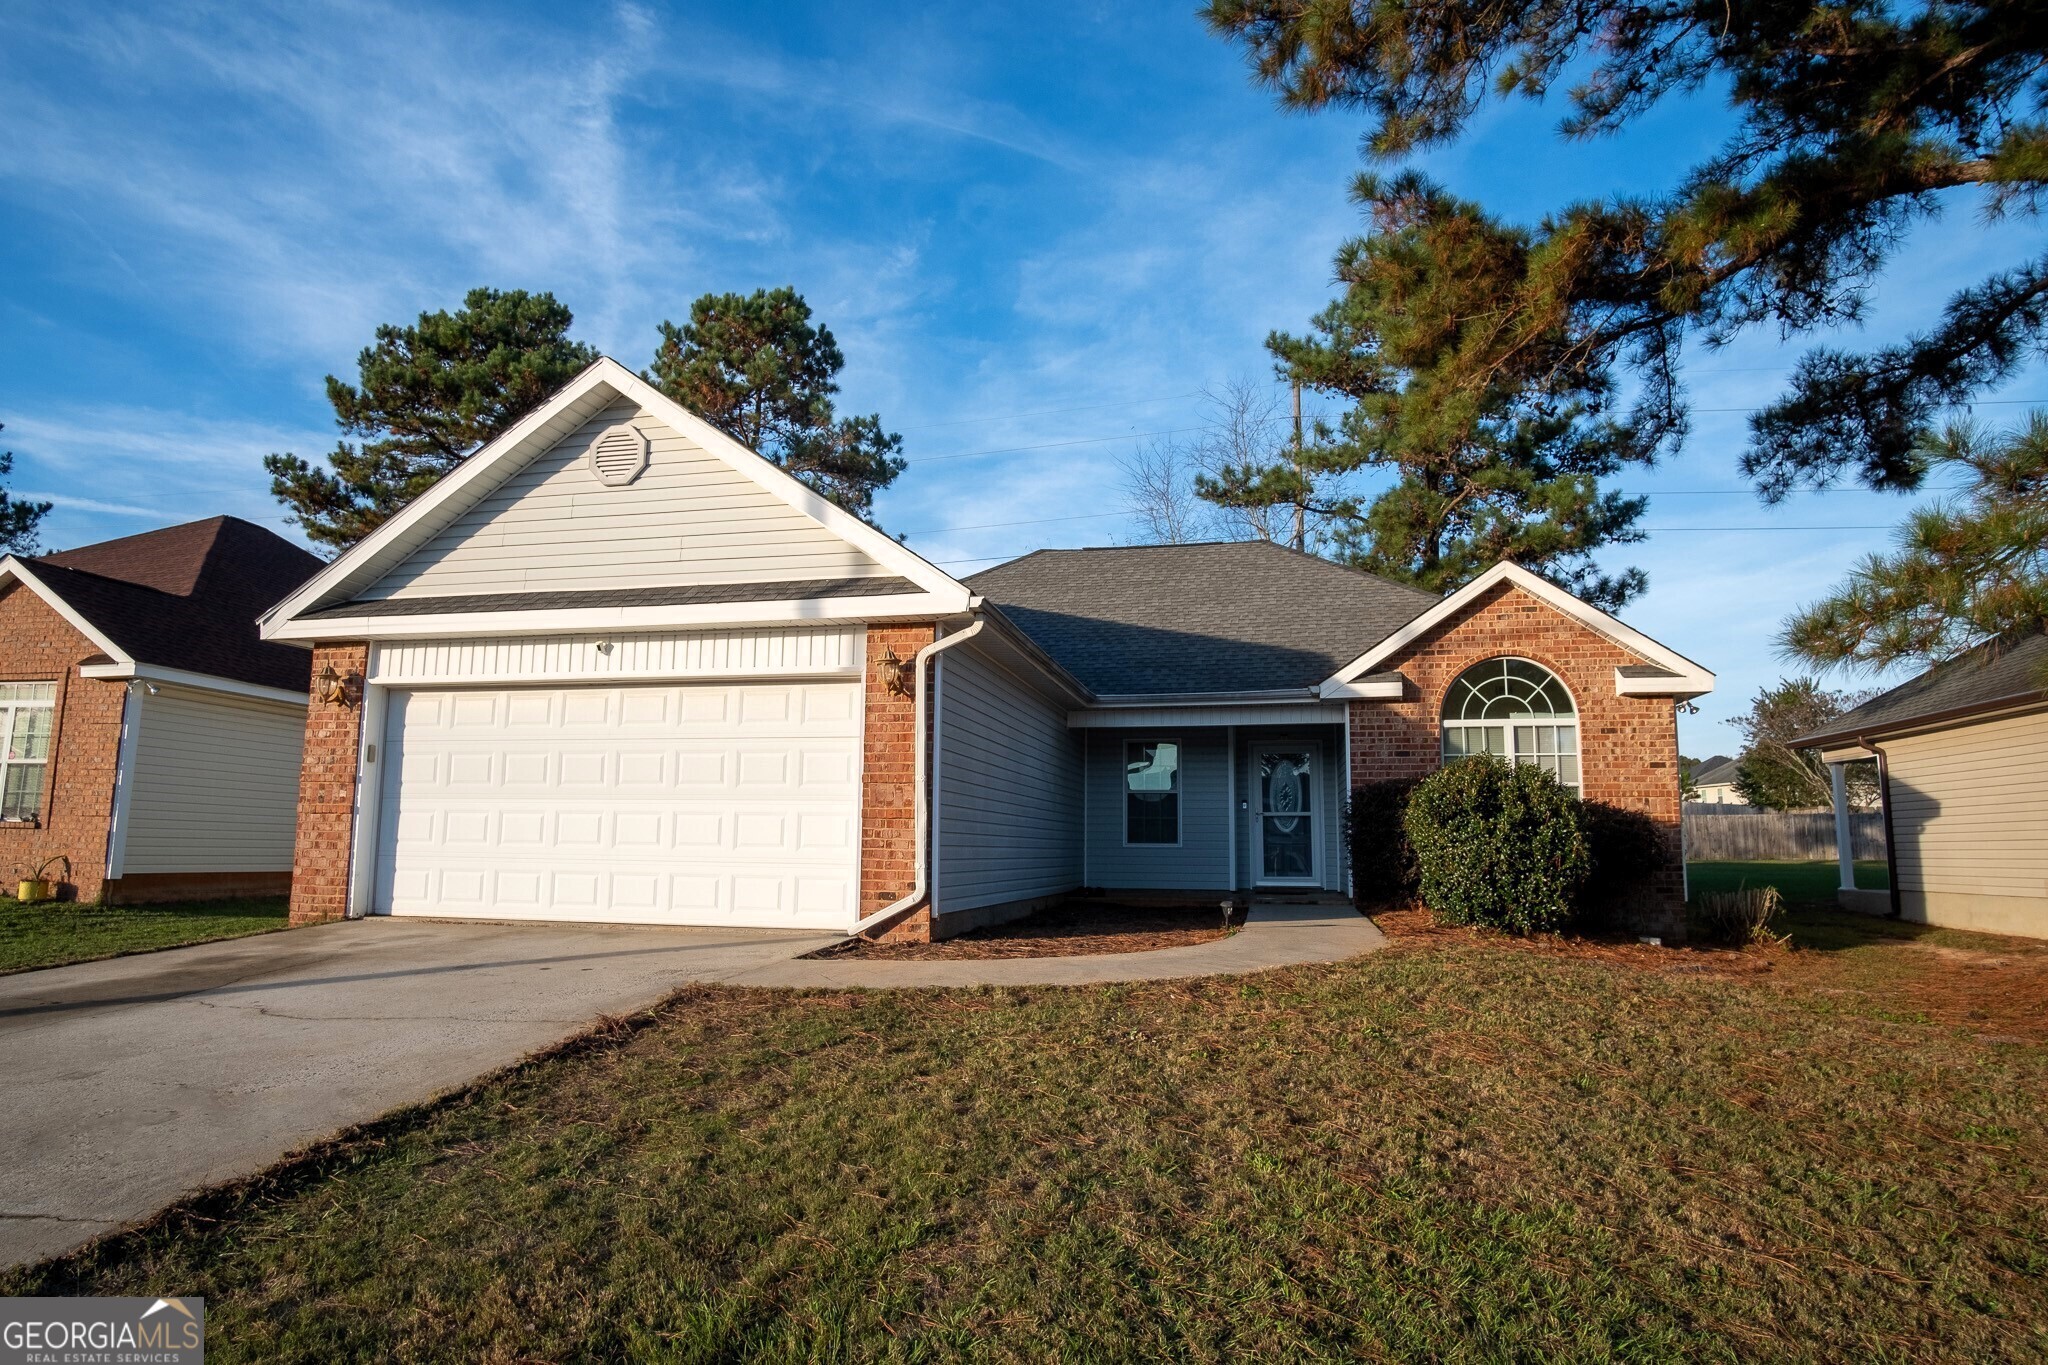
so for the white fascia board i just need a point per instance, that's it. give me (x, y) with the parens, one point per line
(586, 620)
(1630, 639)
(1373, 687)
(13, 568)
(178, 677)
(1286, 696)
(1679, 683)
(473, 478)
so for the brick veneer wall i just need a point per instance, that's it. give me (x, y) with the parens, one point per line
(327, 793)
(1628, 746)
(85, 744)
(888, 792)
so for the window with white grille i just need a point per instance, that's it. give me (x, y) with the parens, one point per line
(27, 710)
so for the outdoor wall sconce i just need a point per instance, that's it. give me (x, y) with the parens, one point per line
(895, 674)
(337, 689)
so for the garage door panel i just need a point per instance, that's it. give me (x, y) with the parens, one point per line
(682, 804)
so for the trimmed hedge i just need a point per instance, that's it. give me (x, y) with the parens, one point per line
(1497, 844)
(1382, 861)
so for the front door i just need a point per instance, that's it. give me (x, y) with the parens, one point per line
(1284, 815)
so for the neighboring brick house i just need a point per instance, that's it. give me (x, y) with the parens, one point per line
(151, 738)
(618, 667)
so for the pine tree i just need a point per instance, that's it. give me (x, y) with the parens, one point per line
(427, 396)
(1852, 119)
(1497, 443)
(1969, 569)
(757, 369)
(18, 520)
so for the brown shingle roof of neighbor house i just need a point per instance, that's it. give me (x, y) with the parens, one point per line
(1996, 674)
(1239, 616)
(187, 597)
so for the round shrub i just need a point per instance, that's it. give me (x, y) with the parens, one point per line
(1497, 844)
(1628, 850)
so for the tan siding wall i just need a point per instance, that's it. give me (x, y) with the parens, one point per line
(689, 518)
(1969, 812)
(216, 784)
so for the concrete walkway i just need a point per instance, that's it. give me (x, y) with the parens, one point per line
(1274, 935)
(135, 1081)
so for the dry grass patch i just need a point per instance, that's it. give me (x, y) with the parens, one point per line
(1465, 1148)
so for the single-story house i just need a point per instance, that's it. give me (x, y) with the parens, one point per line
(618, 667)
(1962, 768)
(1713, 782)
(153, 738)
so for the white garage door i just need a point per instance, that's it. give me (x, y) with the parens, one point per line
(684, 804)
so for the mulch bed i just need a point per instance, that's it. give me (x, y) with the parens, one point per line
(1075, 929)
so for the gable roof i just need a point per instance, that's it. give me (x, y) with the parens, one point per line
(185, 597)
(1994, 675)
(1240, 616)
(310, 613)
(1665, 672)
(1718, 771)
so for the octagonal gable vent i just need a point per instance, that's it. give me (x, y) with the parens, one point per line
(618, 456)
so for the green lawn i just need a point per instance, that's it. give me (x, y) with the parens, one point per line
(53, 932)
(1461, 1148)
(1796, 882)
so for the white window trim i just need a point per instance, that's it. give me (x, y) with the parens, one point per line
(1508, 725)
(1180, 790)
(8, 709)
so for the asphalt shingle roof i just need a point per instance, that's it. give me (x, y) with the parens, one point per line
(1246, 616)
(188, 597)
(1716, 770)
(1997, 671)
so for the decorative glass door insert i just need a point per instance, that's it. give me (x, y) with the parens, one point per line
(1286, 815)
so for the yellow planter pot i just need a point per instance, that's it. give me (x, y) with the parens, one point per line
(31, 891)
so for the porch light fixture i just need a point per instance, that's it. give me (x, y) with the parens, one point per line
(894, 672)
(337, 689)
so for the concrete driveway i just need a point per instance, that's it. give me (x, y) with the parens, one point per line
(132, 1082)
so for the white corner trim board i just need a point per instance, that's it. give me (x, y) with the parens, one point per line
(1689, 679)
(604, 380)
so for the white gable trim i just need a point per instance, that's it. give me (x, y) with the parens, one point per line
(922, 606)
(384, 548)
(13, 568)
(1687, 678)
(181, 677)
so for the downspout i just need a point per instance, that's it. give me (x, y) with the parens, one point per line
(919, 747)
(1884, 804)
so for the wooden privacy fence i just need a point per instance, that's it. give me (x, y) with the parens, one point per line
(1792, 836)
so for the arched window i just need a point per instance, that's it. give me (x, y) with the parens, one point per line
(1515, 710)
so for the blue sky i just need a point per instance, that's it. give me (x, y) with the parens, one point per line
(1039, 234)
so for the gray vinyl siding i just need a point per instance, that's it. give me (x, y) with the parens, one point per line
(1201, 862)
(216, 784)
(1969, 807)
(1007, 780)
(688, 519)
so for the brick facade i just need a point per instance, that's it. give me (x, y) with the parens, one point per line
(1628, 746)
(327, 793)
(888, 792)
(85, 745)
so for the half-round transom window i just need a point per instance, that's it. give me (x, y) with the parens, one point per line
(1515, 710)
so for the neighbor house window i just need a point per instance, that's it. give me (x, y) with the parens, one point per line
(26, 710)
(1515, 710)
(1152, 792)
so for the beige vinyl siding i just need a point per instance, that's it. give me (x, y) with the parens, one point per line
(216, 784)
(1969, 814)
(615, 656)
(1007, 788)
(688, 519)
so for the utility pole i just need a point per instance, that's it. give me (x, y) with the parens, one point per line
(1300, 485)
